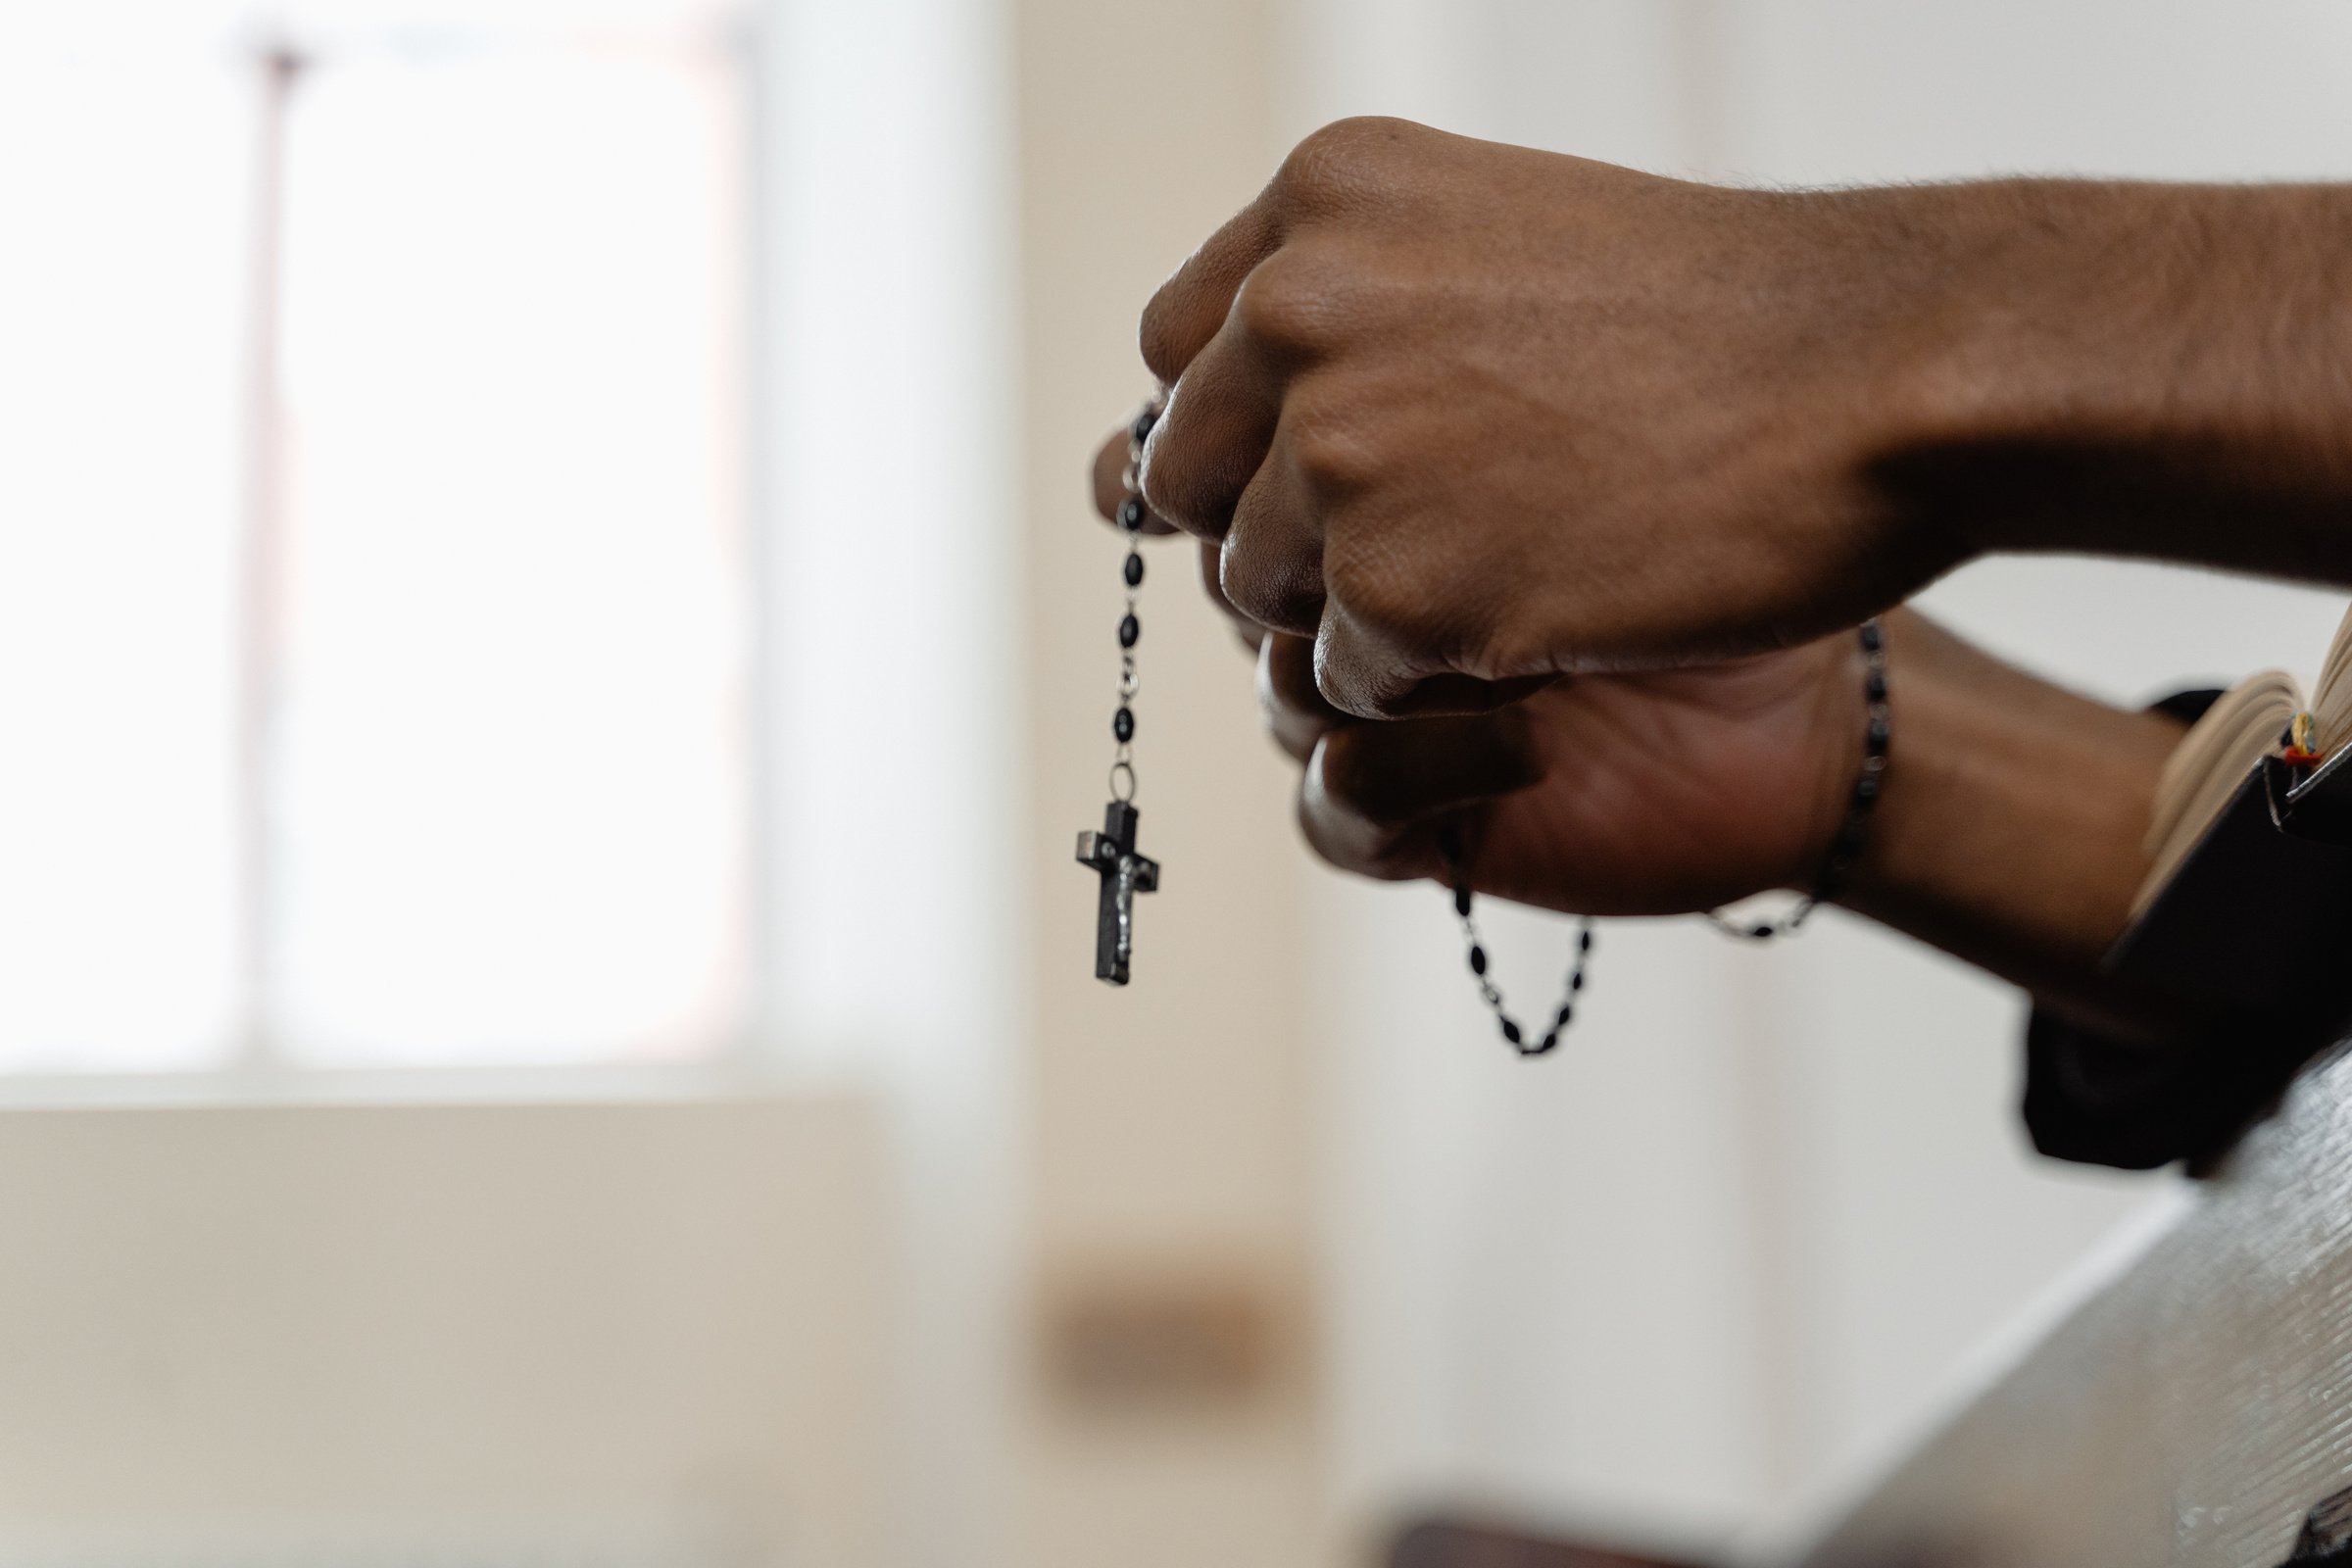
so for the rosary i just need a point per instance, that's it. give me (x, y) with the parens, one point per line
(1126, 872)
(1112, 851)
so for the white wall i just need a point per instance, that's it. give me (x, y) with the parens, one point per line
(893, 945)
(1728, 1242)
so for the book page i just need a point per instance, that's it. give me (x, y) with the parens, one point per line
(2331, 699)
(2248, 723)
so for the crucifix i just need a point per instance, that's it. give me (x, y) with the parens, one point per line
(1124, 873)
(1111, 851)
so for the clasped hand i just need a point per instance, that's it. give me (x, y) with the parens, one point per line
(1473, 417)
(1547, 490)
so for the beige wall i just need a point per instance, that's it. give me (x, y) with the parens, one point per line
(1167, 1141)
(636, 1331)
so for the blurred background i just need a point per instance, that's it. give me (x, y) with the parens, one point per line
(552, 650)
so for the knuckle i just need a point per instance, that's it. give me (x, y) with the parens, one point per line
(1353, 685)
(1279, 589)
(1169, 491)
(1286, 679)
(1340, 158)
(1178, 485)
(1279, 304)
(1503, 651)
(1367, 662)
(1157, 339)
(1332, 457)
(1380, 602)
(1434, 618)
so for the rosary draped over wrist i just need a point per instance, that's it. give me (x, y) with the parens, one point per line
(1845, 846)
(1126, 872)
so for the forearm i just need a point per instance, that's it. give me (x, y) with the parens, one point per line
(2119, 367)
(2010, 833)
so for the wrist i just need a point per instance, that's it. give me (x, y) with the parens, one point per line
(1853, 718)
(2135, 368)
(2011, 830)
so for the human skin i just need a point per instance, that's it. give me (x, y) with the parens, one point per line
(1472, 416)
(1666, 792)
(1672, 791)
(1580, 478)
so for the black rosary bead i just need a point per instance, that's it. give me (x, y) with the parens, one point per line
(1845, 848)
(1123, 870)
(1450, 847)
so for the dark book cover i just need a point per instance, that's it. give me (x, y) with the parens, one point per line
(2255, 913)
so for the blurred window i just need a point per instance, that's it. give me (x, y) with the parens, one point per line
(375, 577)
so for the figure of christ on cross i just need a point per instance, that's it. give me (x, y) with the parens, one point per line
(1125, 873)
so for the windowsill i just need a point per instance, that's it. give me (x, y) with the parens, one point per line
(729, 1078)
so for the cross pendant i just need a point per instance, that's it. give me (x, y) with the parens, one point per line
(1125, 873)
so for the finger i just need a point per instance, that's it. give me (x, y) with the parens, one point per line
(1374, 795)
(1344, 166)
(1190, 308)
(1363, 671)
(1215, 431)
(1110, 481)
(1271, 567)
(1253, 635)
(1295, 714)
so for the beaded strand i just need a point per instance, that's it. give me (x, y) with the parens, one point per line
(1514, 1033)
(1131, 628)
(1844, 848)
(1876, 730)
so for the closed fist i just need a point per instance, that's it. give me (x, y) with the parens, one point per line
(1472, 416)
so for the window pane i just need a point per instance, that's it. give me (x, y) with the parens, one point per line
(513, 793)
(124, 147)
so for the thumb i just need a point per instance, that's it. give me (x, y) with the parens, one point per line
(1375, 794)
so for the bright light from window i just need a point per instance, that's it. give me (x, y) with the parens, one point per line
(119, 282)
(505, 800)
(515, 787)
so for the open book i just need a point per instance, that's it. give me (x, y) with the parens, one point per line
(2216, 762)
(2248, 896)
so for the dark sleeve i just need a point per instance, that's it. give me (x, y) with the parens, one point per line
(2100, 1102)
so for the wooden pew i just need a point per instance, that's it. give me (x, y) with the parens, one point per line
(2192, 1410)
